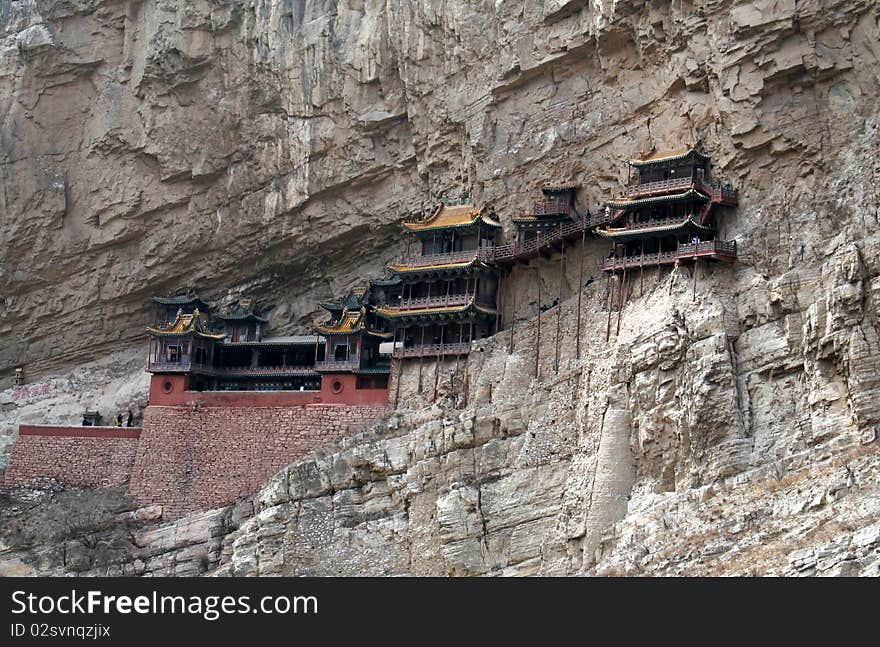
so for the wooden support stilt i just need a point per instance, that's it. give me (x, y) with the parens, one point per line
(499, 320)
(642, 270)
(559, 303)
(620, 300)
(399, 367)
(538, 336)
(437, 362)
(610, 302)
(467, 361)
(421, 357)
(580, 294)
(696, 264)
(458, 359)
(512, 307)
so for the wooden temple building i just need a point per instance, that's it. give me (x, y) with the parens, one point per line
(671, 214)
(442, 297)
(446, 291)
(548, 215)
(165, 309)
(352, 361)
(227, 352)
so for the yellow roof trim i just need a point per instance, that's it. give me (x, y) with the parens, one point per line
(447, 216)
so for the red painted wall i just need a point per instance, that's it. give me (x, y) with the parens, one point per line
(349, 393)
(170, 390)
(77, 456)
(197, 458)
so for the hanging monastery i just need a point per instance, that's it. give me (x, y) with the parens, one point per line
(230, 405)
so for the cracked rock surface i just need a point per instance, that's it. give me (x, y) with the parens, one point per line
(271, 148)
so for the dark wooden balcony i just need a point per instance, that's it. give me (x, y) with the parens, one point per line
(715, 249)
(448, 258)
(262, 371)
(337, 366)
(433, 350)
(545, 241)
(442, 301)
(717, 192)
(184, 365)
(551, 208)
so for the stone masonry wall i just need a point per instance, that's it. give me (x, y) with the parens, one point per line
(196, 459)
(76, 456)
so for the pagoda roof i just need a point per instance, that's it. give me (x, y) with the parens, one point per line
(389, 312)
(625, 203)
(241, 316)
(185, 324)
(180, 300)
(667, 156)
(243, 311)
(403, 268)
(452, 217)
(555, 188)
(624, 232)
(394, 280)
(352, 301)
(350, 322)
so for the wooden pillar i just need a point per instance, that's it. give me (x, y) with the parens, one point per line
(467, 361)
(499, 302)
(620, 298)
(642, 269)
(609, 293)
(538, 334)
(559, 301)
(580, 293)
(399, 367)
(696, 266)
(513, 305)
(421, 356)
(439, 358)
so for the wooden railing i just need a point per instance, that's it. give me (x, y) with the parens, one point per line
(182, 366)
(649, 224)
(662, 185)
(717, 191)
(428, 260)
(619, 263)
(442, 301)
(708, 247)
(202, 367)
(430, 350)
(420, 303)
(720, 193)
(500, 253)
(684, 251)
(551, 208)
(341, 365)
(263, 370)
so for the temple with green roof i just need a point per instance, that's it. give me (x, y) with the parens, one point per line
(228, 352)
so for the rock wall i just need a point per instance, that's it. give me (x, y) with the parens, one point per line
(194, 459)
(85, 457)
(750, 402)
(265, 148)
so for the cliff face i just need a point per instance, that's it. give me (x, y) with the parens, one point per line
(272, 146)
